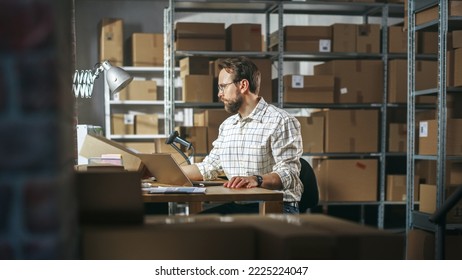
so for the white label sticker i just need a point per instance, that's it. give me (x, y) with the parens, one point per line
(297, 81)
(129, 119)
(423, 131)
(324, 45)
(343, 91)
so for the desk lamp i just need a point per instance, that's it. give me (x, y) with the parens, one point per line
(116, 78)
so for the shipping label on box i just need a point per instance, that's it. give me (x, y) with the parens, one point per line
(325, 45)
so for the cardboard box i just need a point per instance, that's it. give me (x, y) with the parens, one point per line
(427, 42)
(368, 38)
(147, 49)
(454, 103)
(195, 65)
(430, 14)
(122, 124)
(95, 146)
(244, 37)
(421, 245)
(265, 66)
(457, 67)
(138, 90)
(312, 136)
(313, 39)
(396, 188)
(344, 37)
(146, 124)
(353, 240)
(426, 170)
(111, 36)
(356, 81)
(457, 39)
(109, 197)
(347, 179)
(200, 36)
(348, 131)
(178, 241)
(397, 137)
(212, 119)
(308, 89)
(197, 135)
(428, 131)
(198, 88)
(428, 202)
(397, 39)
(141, 147)
(425, 78)
(295, 242)
(450, 69)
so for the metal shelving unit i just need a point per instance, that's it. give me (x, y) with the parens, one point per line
(151, 106)
(443, 24)
(279, 9)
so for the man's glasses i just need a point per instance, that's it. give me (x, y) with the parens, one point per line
(221, 87)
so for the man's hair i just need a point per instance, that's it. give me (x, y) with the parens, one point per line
(242, 68)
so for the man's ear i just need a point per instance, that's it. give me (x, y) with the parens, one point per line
(244, 85)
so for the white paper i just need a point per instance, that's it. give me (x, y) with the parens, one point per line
(176, 190)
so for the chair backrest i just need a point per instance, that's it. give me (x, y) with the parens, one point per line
(310, 195)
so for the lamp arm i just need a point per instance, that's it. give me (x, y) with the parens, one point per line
(84, 80)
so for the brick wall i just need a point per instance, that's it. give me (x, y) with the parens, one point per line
(37, 208)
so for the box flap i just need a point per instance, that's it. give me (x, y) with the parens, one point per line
(95, 146)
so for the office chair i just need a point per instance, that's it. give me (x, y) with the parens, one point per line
(310, 195)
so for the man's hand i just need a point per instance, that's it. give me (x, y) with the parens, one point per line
(241, 182)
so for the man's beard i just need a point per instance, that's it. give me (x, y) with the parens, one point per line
(232, 106)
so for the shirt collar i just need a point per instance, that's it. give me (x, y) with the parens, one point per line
(257, 113)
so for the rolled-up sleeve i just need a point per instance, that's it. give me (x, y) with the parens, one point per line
(287, 148)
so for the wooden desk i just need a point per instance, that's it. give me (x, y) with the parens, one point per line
(270, 201)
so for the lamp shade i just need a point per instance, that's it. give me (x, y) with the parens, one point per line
(116, 77)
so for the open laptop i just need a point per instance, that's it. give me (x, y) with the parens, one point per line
(167, 171)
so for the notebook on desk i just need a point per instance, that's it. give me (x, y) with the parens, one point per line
(167, 171)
